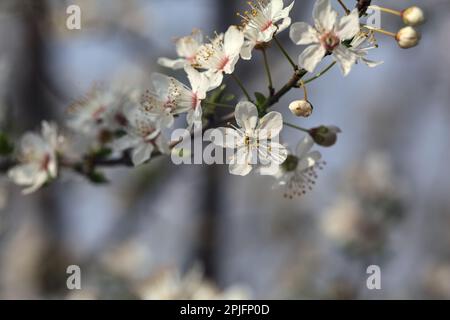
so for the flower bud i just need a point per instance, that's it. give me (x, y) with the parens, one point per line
(325, 136)
(301, 108)
(413, 16)
(407, 37)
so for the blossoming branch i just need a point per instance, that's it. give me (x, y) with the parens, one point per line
(129, 126)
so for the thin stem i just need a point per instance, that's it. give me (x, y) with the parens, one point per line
(391, 34)
(305, 92)
(224, 105)
(387, 10)
(241, 85)
(347, 10)
(269, 75)
(285, 53)
(293, 126)
(318, 75)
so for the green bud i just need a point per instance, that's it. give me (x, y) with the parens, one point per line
(325, 136)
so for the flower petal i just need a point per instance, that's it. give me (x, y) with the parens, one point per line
(240, 164)
(324, 15)
(311, 56)
(348, 26)
(345, 57)
(141, 153)
(270, 125)
(303, 33)
(233, 41)
(309, 160)
(246, 115)
(174, 64)
(226, 137)
(304, 146)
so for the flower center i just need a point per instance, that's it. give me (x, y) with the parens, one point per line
(290, 164)
(330, 41)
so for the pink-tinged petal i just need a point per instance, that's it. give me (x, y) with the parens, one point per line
(270, 125)
(246, 115)
(348, 26)
(345, 58)
(311, 56)
(229, 67)
(302, 33)
(325, 16)
(174, 64)
(233, 41)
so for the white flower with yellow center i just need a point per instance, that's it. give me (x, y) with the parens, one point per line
(221, 55)
(326, 37)
(254, 141)
(171, 97)
(262, 22)
(38, 158)
(143, 137)
(187, 49)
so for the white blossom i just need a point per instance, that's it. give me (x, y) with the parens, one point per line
(326, 37)
(37, 158)
(262, 22)
(221, 55)
(254, 142)
(298, 173)
(143, 137)
(171, 97)
(187, 49)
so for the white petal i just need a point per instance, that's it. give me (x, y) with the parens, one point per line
(311, 56)
(304, 146)
(233, 41)
(371, 63)
(324, 15)
(273, 152)
(39, 180)
(174, 64)
(199, 81)
(283, 13)
(276, 6)
(348, 26)
(345, 57)
(124, 143)
(240, 164)
(246, 51)
(303, 33)
(246, 115)
(309, 160)
(193, 116)
(23, 174)
(226, 137)
(160, 85)
(270, 125)
(141, 153)
(285, 23)
(215, 79)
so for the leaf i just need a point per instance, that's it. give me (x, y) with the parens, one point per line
(102, 153)
(6, 147)
(97, 177)
(260, 102)
(217, 94)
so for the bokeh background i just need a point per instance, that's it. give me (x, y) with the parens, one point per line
(164, 231)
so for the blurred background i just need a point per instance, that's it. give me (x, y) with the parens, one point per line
(166, 231)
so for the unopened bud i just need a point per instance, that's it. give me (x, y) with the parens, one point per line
(413, 16)
(407, 37)
(301, 108)
(325, 136)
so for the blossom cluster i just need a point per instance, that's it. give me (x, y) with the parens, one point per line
(133, 124)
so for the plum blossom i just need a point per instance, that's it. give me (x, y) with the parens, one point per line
(101, 110)
(171, 97)
(143, 137)
(298, 173)
(326, 37)
(37, 158)
(221, 55)
(254, 142)
(262, 22)
(187, 48)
